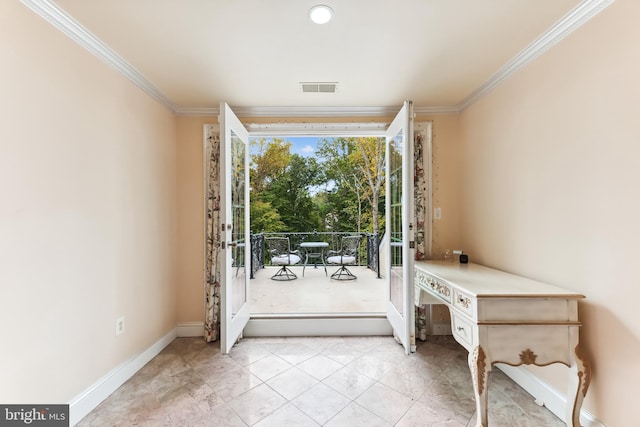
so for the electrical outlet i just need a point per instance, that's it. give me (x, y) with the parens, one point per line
(437, 213)
(119, 325)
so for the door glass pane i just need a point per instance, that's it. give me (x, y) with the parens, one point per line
(395, 182)
(238, 243)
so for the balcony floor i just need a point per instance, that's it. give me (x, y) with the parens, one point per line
(316, 293)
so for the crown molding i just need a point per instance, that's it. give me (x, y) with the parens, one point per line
(49, 11)
(582, 13)
(53, 14)
(315, 111)
(300, 111)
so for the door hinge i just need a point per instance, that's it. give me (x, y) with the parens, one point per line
(412, 244)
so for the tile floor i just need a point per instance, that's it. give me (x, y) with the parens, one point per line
(299, 382)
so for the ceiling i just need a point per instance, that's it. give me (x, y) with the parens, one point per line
(192, 54)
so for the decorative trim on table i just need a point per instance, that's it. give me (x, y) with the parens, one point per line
(528, 357)
(579, 352)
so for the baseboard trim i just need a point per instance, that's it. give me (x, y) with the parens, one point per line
(553, 400)
(85, 402)
(316, 326)
(190, 329)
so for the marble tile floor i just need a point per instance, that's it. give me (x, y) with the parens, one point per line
(324, 381)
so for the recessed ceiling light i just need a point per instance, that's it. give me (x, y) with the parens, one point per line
(321, 14)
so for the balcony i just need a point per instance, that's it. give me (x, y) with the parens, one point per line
(314, 292)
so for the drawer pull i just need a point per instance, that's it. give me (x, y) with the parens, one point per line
(460, 328)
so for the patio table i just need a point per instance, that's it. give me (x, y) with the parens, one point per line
(315, 251)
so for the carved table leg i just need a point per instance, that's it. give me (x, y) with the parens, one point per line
(579, 379)
(480, 369)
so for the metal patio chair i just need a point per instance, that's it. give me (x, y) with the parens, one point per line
(347, 255)
(281, 254)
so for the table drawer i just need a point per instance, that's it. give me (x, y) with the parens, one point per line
(464, 303)
(462, 331)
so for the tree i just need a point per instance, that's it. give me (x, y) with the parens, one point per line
(272, 158)
(290, 194)
(265, 218)
(357, 167)
(281, 184)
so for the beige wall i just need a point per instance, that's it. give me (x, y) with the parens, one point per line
(190, 297)
(551, 167)
(87, 214)
(446, 181)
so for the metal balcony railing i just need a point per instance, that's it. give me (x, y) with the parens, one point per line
(368, 252)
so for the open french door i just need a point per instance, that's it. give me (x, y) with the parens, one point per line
(400, 246)
(234, 232)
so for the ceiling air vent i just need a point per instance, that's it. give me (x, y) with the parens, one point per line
(319, 87)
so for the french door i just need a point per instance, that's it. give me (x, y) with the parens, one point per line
(234, 232)
(399, 229)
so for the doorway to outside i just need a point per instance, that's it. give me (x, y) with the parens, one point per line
(315, 193)
(232, 244)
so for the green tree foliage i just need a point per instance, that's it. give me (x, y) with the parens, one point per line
(290, 194)
(265, 217)
(281, 189)
(270, 162)
(340, 190)
(356, 166)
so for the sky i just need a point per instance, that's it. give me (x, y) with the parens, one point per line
(303, 145)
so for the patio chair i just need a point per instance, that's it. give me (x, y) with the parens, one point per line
(347, 255)
(281, 255)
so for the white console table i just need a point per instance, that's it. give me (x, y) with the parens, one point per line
(503, 318)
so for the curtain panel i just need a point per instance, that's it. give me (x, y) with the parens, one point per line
(212, 267)
(421, 194)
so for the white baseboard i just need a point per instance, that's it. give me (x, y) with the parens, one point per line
(85, 402)
(553, 400)
(190, 329)
(317, 326)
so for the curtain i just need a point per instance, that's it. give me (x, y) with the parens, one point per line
(421, 194)
(420, 190)
(212, 268)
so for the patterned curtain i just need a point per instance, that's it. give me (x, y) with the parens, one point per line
(421, 194)
(212, 282)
